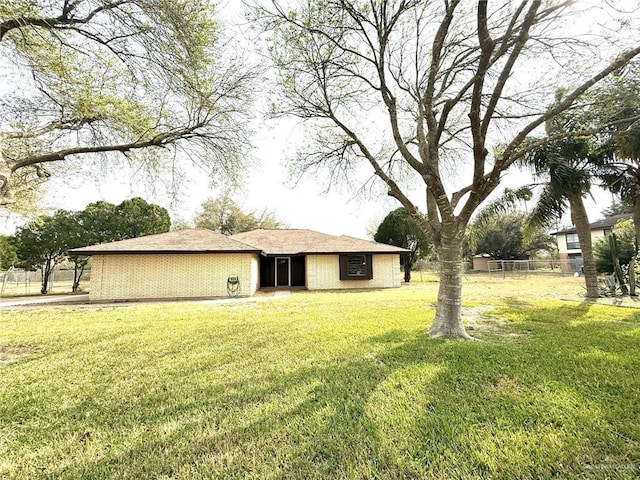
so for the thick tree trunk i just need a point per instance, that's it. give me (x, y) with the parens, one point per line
(448, 321)
(581, 221)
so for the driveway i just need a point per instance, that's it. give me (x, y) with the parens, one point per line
(83, 300)
(35, 300)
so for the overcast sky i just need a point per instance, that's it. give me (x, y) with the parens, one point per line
(266, 185)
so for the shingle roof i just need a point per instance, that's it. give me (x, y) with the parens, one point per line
(270, 242)
(282, 241)
(295, 241)
(600, 224)
(179, 241)
(346, 244)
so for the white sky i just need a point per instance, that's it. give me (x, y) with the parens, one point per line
(265, 186)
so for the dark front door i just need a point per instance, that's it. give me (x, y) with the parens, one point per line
(283, 271)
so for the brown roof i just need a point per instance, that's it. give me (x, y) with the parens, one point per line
(346, 244)
(270, 242)
(179, 241)
(293, 241)
(282, 241)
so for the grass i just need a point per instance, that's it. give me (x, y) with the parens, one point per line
(29, 289)
(324, 385)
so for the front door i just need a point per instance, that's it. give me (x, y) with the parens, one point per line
(283, 271)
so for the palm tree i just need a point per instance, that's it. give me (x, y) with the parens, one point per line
(618, 106)
(567, 167)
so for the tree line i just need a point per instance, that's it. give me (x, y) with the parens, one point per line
(44, 242)
(502, 230)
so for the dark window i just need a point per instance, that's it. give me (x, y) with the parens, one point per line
(573, 243)
(356, 266)
(298, 276)
(267, 272)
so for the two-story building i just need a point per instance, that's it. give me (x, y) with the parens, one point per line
(569, 249)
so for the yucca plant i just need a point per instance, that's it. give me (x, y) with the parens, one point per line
(617, 270)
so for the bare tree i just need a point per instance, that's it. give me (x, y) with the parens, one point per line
(90, 78)
(444, 93)
(224, 215)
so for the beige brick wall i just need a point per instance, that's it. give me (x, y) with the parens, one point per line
(119, 277)
(255, 275)
(323, 273)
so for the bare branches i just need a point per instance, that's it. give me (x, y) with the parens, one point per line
(118, 77)
(67, 19)
(66, 124)
(508, 157)
(445, 76)
(161, 140)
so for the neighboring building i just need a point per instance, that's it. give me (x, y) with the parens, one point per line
(480, 263)
(569, 245)
(198, 263)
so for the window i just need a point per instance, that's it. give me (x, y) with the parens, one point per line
(573, 243)
(356, 266)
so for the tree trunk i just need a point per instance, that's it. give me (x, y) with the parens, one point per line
(448, 321)
(46, 273)
(581, 221)
(636, 227)
(632, 272)
(407, 271)
(77, 275)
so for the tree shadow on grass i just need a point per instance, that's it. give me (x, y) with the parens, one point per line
(405, 406)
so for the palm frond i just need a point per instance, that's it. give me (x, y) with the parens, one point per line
(509, 201)
(551, 205)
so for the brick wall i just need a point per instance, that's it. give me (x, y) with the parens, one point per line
(118, 277)
(323, 273)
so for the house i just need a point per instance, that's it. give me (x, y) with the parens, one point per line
(198, 263)
(569, 245)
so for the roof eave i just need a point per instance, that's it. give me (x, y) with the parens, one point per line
(350, 252)
(149, 252)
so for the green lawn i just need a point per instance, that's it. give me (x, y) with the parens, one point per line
(324, 385)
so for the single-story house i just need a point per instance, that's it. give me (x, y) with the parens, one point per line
(569, 249)
(198, 264)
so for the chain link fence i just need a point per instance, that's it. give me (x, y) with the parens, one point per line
(426, 270)
(17, 281)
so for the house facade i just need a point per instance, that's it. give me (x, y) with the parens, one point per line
(199, 263)
(569, 251)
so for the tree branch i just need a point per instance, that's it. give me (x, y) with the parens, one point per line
(507, 158)
(161, 140)
(64, 20)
